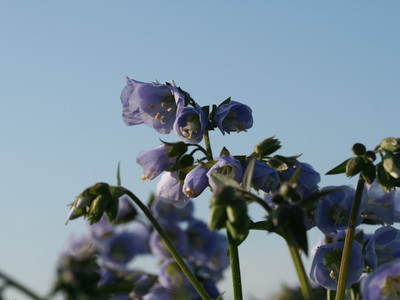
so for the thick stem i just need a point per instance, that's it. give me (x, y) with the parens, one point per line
(305, 287)
(206, 139)
(235, 267)
(344, 265)
(19, 286)
(171, 248)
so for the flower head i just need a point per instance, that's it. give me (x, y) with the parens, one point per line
(190, 123)
(264, 177)
(233, 117)
(169, 189)
(196, 181)
(226, 165)
(151, 103)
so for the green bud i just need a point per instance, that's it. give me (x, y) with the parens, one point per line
(391, 163)
(100, 188)
(217, 218)
(358, 149)
(98, 207)
(277, 164)
(185, 161)
(177, 149)
(390, 144)
(267, 146)
(112, 209)
(387, 181)
(354, 166)
(237, 212)
(369, 172)
(370, 155)
(222, 195)
(238, 234)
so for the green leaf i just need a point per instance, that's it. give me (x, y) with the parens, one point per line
(267, 146)
(277, 164)
(263, 225)
(339, 169)
(223, 180)
(354, 166)
(224, 152)
(225, 102)
(118, 174)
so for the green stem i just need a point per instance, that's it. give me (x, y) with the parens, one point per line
(344, 265)
(171, 248)
(305, 287)
(19, 286)
(235, 267)
(206, 139)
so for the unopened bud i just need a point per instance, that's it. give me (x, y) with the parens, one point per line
(358, 149)
(391, 144)
(370, 155)
(354, 166)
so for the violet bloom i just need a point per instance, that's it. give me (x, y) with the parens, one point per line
(190, 123)
(166, 212)
(333, 210)
(155, 161)
(151, 103)
(177, 237)
(264, 177)
(233, 117)
(169, 189)
(383, 246)
(195, 181)
(228, 166)
(383, 283)
(380, 206)
(326, 264)
(308, 180)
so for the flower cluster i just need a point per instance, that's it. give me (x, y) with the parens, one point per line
(102, 261)
(287, 189)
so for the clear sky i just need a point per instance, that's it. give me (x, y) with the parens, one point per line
(319, 75)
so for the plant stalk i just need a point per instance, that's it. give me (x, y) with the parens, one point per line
(206, 139)
(344, 265)
(305, 287)
(19, 286)
(171, 248)
(235, 268)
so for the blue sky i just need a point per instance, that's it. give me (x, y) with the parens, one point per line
(318, 75)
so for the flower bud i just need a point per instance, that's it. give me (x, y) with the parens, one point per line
(186, 160)
(267, 146)
(354, 166)
(358, 149)
(369, 172)
(390, 144)
(370, 155)
(177, 149)
(391, 163)
(218, 217)
(97, 208)
(100, 188)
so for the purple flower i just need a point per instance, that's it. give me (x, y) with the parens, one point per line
(151, 103)
(126, 212)
(155, 161)
(383, 283)
(326, 264)
(226, 165)
(308, 180)
(264, 177)
(333, 210)
(190, 123)
(195, 181)
(177, 237)
(383, 246)
(380, 206)
(169, 189)
(158, 292)
(233, 116)
(167, 213)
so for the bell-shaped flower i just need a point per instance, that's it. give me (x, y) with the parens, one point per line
(196, 181)
(264, 177)
(383, 283)
(155, 161)
(190, 123)
(383, 246)
(233, 117)
(326, 264)
(151, 103)
(380, 206)
(333, 211)
(228, 166)
(166, 212)
(169, 189)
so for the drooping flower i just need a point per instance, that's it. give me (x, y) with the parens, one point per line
(326, 264)
(151, 103)
(383, 246)
(155, 161)
(228, 166)
(195, 181)
(383, 283)
(169, 189)
(233, 117)
(333, 211)
(190, 123)
(264, 177)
